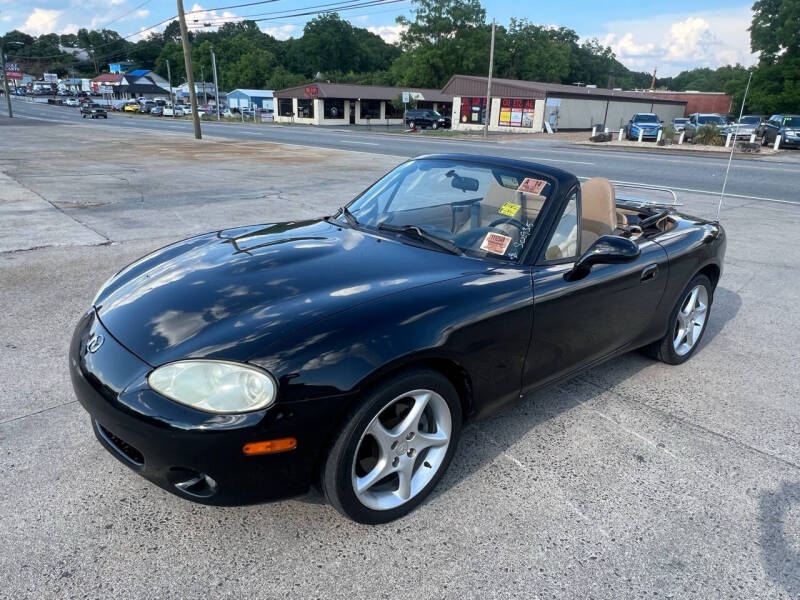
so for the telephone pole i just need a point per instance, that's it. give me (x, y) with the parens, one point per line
(171, 99)
(5, 81)
(187, 57)
(489, 87)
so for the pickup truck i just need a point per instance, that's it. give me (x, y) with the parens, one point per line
(93, 110)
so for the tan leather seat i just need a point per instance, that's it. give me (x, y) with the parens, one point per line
(598, 210)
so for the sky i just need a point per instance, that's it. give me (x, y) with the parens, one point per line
(667, 36)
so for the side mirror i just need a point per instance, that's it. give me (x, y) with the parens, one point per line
(606, 250)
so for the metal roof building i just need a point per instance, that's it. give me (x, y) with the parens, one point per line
(322, 103)
(244, 98)
(525, 106)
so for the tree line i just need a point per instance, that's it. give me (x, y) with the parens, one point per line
(442, 38)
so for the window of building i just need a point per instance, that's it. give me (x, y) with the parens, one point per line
(285, 107)
(516, 112)
(333, 108)
(473, 110)
(392, 112)
(370, 109)
(305, 108)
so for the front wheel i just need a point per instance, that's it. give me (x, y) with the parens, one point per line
(394, 447)
(411, 124)
(687, 323)
(434, 125)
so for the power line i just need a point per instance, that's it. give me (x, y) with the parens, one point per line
(363, 4)
(275, 12)
(123, 15)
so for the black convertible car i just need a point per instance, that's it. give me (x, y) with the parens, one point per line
(247, 364)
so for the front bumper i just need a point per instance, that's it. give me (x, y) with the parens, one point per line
(791, 141)
(173, 445)
(647, 133)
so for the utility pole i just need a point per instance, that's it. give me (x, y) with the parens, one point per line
(5, 81)
(216, 85)
(187, 57)
(489, 87)
(171, 99)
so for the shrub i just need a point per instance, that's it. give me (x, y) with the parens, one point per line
(708, 134)
(667, 134)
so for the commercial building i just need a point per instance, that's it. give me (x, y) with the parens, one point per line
(244, 98)
(700, 102)
(525, 106)
(323, 103)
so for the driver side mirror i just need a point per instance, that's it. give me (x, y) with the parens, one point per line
(606, 250)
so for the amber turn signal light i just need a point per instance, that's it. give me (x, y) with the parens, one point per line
(270, 446)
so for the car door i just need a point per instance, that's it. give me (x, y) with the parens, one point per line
(579, 322)
(771, 129)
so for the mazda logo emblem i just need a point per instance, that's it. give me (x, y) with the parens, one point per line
(94, 343)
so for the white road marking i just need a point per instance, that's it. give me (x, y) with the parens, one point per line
(360, 143)
(573, 162)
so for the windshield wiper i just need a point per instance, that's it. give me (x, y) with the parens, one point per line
(418, 233)
(351, 220)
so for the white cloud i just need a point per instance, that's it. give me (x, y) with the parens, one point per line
(281, 32)
(197, 17)
(142, 13)
(674, 43)
(389, 33)
(41, 21)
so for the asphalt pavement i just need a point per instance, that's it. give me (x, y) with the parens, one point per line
(634, 480)
(772, 178)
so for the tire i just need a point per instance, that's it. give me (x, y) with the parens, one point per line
(406, 452)
(411, 124)
(83, 116)
(669, 349)
(434, 125)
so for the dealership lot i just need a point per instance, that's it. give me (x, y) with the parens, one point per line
(635, 479)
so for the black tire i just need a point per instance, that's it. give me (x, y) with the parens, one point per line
(83, 116)
(337, 483)
(411, 124)
(664, 349)
(434, 125)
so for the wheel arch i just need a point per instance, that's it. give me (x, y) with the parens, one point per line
(712, 271)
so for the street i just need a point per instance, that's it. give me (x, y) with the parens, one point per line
(636, 479)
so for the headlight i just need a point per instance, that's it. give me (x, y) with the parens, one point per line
(790, 132)
(215, 386)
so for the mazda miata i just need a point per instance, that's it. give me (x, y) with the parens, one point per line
(346, 352)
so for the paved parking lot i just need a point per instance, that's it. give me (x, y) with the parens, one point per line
(634, 480)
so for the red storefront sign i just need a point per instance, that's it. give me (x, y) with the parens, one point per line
(311, 91)
(13, 71)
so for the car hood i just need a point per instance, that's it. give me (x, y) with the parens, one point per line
(233, 293)
(647, 124)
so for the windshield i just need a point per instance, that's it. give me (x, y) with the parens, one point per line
(680, 121)
(791, 122)
(644, 118)
(482, 210)
(749, 120)
(706, 119)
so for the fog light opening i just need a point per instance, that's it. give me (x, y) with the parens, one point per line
(195, 484)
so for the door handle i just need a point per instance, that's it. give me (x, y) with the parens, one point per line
(649, 272)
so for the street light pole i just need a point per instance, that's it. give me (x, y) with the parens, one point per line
(216, 85)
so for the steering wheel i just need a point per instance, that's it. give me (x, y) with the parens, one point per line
(508, 220)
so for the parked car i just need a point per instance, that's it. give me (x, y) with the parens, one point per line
(342, 358)
(648, 124)
(157, 111)
(679, 123)
(697, 120)
(185, 108)
(131, 106)
(170, 111)
(93, 110)
(786, 126)
(145, 106)
(744, 127)
(227, 113)
(426, 118)
(71, 102)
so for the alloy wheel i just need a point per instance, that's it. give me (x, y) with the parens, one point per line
(691, 320)
(401, 449)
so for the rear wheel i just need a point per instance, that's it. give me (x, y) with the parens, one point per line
(687, 323)
(411, 124)
(434, 125)
(394, 448)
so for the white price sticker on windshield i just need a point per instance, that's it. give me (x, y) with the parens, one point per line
(496, 243)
